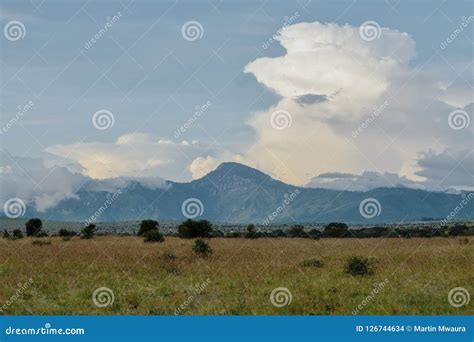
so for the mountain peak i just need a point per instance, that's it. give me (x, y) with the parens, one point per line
(233, 169)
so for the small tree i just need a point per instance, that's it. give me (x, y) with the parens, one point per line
(154, 236)
(33, 226)
(190, 229)
(358, 266)
(6, 234)
(335, 229)
(251, 233)
(17, 234)
(296, 231)
(147, 226)
(201, 248)
(88, 231)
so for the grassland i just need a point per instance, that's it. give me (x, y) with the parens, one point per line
(158, 278)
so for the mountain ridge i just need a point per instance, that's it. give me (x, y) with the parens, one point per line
(236, 193)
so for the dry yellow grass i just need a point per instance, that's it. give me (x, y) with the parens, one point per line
(242, 273)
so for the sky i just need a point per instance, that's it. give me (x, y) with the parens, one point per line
(305, 91)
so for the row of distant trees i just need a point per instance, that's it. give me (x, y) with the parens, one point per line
(190, 229)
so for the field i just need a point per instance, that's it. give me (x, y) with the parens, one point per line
(237, 279)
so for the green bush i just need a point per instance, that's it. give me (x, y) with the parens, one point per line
(147, 226)
(33, 227)
(312, 263)
(17, 234)
(65, 233)
(296, 231)
(201, 248)
(153, 236)
(251, 232)
(5, 234)
(88, 231)
(191, 229)
(358, 266)
(335, 229)
(41, 234)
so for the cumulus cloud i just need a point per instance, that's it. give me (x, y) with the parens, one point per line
(364, 182)
(33, 182)
(331, 83)
(133, 155)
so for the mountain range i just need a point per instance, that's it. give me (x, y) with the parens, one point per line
(235, 193)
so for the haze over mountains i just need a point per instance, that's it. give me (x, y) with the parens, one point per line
(235, 193)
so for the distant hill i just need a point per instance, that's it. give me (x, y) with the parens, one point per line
(236, 193)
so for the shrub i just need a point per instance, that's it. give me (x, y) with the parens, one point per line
(251, 233)
(88, 231)
(17, 234)
(358, 266)
(6, 234)
(458, 229)
(312, 263)
(335, 229)
(67, 238)
(278, 233)
(463, 241)
(33, 226)
(232, 235)
(40, 242)
(153, 236)
(64, 232)
(190, 229)
(314, 234)
(217, 234)
(41, 234)
(296, 231)
(147, 226)
(168, 256)
(201, 248)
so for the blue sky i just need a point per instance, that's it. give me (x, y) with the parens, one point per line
(151, 79)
